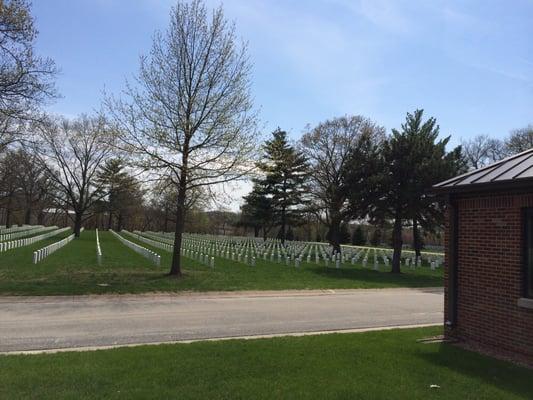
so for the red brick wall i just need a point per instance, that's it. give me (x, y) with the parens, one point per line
(490, 274)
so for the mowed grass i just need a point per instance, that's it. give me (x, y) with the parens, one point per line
(74, 270)
(372, 365)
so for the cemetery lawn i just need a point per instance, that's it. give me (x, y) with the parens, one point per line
(74, 270)
(371, 365)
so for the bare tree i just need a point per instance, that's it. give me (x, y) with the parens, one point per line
(26, 80)
(33, 181)
(482, 150)
(328, 147)
(189, 116)
(9, 185)
(72, 153)
(520, 140)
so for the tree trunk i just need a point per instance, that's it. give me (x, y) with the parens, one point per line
(110, 220)
(256, 231)
(175, 268)
(27, 216)
(165, 227)
(8, 218)
(77, 224)
(40, 217)
(283, 224)
(8, 213)
(119, 221)
(417, 243)
(397, 244)
(335, 234)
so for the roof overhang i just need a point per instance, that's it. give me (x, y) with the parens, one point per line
(510, 174)
(522, 185)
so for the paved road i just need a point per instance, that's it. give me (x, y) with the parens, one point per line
(37, 323)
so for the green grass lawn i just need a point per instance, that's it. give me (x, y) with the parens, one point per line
(372, 365)
(74, 270)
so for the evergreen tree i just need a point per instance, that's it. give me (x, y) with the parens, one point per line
(358, 236)
(363, 176)
(418, 241)
(257, 211)
(122, 191)
(412, 160)
(286, 172)
(290, 234)
(375, 239)
(344, 234)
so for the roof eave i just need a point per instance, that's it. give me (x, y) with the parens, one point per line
(519, 184)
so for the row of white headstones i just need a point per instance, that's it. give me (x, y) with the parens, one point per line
(4, 230)
(44, 252)
(14, 244)
(27, 230)
(151, 255)
(246, 250)
(168, 245)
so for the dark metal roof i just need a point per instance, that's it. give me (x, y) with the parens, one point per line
(514, 171)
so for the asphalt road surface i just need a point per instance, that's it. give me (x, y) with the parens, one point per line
(39, 323)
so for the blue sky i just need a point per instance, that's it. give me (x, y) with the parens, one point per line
(468, 63)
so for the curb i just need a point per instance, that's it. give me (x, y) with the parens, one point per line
(217, 339)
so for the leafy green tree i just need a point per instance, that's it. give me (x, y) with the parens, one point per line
(412, 161)
(285, 174)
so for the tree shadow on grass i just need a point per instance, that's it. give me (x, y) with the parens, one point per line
(378, 277)
(500, 374)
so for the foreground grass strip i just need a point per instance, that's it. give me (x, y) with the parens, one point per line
(372, 365)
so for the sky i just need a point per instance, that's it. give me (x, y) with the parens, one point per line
(468, 63)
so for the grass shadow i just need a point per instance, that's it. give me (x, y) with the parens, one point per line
(499, 374)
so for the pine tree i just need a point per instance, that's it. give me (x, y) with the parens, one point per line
(257, 211)
(358, 236)
(286, 172)
(344, 234)
(412, 160)
(375, 239)
(121, 188)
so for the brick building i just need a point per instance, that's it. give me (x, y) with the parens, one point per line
(489, 258)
